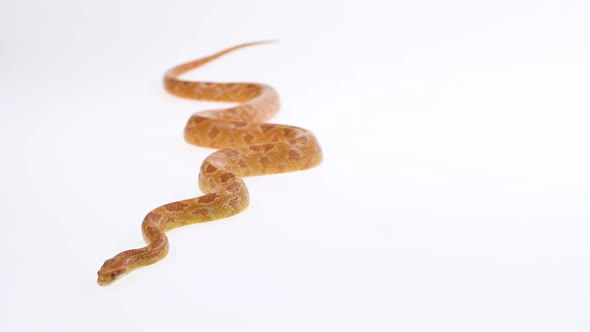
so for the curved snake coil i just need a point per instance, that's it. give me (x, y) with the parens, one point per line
(248, 147)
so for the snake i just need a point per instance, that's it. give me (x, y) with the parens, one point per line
(246, 145)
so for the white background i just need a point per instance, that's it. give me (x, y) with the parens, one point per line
(453, 195)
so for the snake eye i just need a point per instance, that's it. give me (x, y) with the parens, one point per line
(113, 274)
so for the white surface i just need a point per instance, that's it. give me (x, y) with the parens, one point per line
(453, 196)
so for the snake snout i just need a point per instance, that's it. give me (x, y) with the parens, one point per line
(110, 271)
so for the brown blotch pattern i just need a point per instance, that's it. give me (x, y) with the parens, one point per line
(234, 202)
(210, 168)
(242, 163)
(264, 161)
(214, 132)
(299, 141)
(226, 176)
(266, 127)
(248, 138)
(296, 155)
(152, 217)
(230, 152)
(198, 119)
(201, 211)
(262, 147)
(233, 187)
(208, 198)
(175, 206)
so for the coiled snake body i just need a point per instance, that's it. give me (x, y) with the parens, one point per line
(247, 146)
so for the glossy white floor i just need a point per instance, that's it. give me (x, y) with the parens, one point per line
(453, 196)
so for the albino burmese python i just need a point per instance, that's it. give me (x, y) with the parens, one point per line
(247, 147)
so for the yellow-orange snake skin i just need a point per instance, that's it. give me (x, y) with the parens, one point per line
(247, 146)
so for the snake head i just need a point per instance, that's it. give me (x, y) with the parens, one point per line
(111, 270)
